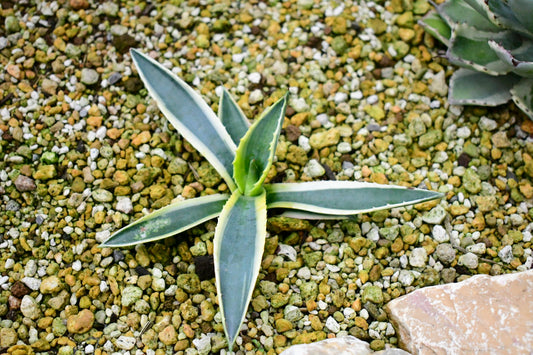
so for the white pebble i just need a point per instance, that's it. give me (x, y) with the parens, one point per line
(9, 263)
(31, 282)
(102, 236)
(439, 234)
(333, 325)
(470, 260)
(76, 265)
(418, 257)
(254, 77)
(125, 343)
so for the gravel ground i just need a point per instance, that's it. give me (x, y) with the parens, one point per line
(84, 151)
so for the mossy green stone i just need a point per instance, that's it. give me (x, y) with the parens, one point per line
(471, 181)
(190, 283)
(208, 176)
(375, 112)
(45, 172)
(379, 26)
(389, 233)
(268, 288)
(372, 294)
(339, 45)
(309, 290)
(130, 295)
(430, 138)
(279, 300)
(311, 259)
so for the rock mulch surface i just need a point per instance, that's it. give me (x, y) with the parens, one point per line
(481, 315)
(84, 151)
(339, 346)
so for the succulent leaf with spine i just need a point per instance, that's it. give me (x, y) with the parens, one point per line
(492, 42)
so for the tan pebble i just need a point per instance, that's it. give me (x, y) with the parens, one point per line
(168, 335)
(283, 325)
(141, 138)
(356, 305)
(526, 189)
(95, 121)
(181, 345)
(361, 323)
(457, 210)
(299, 118)
(363, 276)
(50, 284)
(189, 333)
(114, 133)
(13, 70)
(113, 285)
(70, 280)
(81, 322)
(79, 4)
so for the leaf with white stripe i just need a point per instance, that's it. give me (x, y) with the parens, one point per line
(343, 197)
(168, 221)
(522, 95)
(238, 249)
(257, 148)
(189, 114)
(232, 117)
(470, 87)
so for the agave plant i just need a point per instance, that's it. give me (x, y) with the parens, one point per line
(242, 154)
(492, 40)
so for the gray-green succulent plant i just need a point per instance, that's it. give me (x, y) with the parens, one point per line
(492, 40)
(242, 154)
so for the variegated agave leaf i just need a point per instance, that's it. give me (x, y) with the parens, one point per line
(257, 148)
(232, 117)
(343, 197)
(238, 249)
(187, 112)
(470, 87)
(168, 221)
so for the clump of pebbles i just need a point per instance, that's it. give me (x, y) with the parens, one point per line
(84, 151)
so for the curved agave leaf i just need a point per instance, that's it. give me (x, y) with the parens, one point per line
(437, 27)
(470, 49)
(312, 216)
(469, 87)
(522, 95)
(168, 221)
(459, 12)
(523, 10)
(257, 148)
(232, 117)
(497, 12)
(521, 58)
(343, 197)
(238, 249)
(189, 114)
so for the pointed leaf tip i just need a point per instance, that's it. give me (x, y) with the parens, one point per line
(186, 111)
(238, 249)
(259, 145)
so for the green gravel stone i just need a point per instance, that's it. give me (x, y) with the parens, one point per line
(471, 181)
(279, 300)
(101, 195)
(339, 45)
(430, 138)
(58, 327)
(309, 290)
(372, 294)
(311, 259)
(130, 295)
(190, 283)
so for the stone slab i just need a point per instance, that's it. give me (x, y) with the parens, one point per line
(481, 315)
